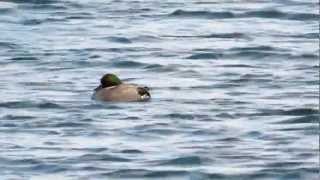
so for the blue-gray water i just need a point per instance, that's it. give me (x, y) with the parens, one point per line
(234, 86)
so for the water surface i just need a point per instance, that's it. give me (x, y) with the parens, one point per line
(234, 86)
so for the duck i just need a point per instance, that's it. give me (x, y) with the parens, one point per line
(111, 88)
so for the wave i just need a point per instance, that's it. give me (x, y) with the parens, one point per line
(135, 173)
(172, 174)
(188, 160)
(17, 117)
(281, 15)
(238, 66)
(215, 35)
(145, 38)
(299, 112)
(127, 64)
(275, 14)
(301, 120)
(8, 45)
(102, 157)
(254, 48)
(300, 36)
(160, 68)
(307, 36)
(48, 168)
(247, 54)
(202, 14)
(30, 104)
(258, 54)
(205, 56)
(33, 1)
(122, 40)
(175, 116)
(131, 151)
(69, 124)
(5, 10)
(255, 52)
(82, 15)
(31, 22)
(290, 112)
(227, 35)
(24, 58)
(267, 51)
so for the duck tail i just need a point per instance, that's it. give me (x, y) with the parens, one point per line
(143, 91)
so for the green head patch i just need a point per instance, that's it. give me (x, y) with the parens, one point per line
(110, 80)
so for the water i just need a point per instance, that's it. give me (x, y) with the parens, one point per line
(234, 86)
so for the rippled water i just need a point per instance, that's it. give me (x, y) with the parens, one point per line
(234, 85)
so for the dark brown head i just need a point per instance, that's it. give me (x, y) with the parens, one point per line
(109, 80)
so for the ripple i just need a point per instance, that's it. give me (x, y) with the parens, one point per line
(201, 14)
(275, 14)
(265, 14)
(299, 120)
(146, 38)
(254, 48)
(239, 66)
(260, 54)
(24, 58)
(234, 35)
(307, 36)
(299, 112)
(307, 56)
(25, 161)
(16, 117)
(49, 105)
(123, 40)
(227, 35)
(160, 68)
(33, 1)
(140, 173)
(168, 173)
(205, 56)
(8, 45)
(281, 15)
(31, 22)
(43, 5)
(184, 161)
(225, 115)
(301, 36)
(30, 104)
(6, 10)
(100, 105)
(93, 150)
(69, 124)
(79, 16)
(160, 131)
(175, 116)
(48, 168)
(290, 112)
(127, 173)
(131, 151)
(102, 157)
(127, 64)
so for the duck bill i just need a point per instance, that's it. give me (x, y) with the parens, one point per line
(99, 87)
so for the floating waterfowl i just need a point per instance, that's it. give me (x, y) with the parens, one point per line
(111, 88)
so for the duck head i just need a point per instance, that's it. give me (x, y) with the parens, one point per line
(108, 80)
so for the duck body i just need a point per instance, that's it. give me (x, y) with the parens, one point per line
(112, 89)
(122, 92)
